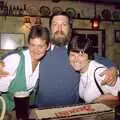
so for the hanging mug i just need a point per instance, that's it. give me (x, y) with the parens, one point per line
(2, 114)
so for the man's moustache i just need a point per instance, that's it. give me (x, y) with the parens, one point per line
(59, 32)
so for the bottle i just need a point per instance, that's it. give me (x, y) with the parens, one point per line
(10, 11)
(25, 10)
(20, 11)
(17, 11)
(117, 108)
(1, 9)
(5, 9)
(14, 10)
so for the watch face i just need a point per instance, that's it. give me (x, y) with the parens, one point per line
(71, 12)
(56, 10)
(44, 11)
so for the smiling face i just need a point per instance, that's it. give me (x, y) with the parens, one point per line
(60, 30)
(38, 48)
(79, 61)
(80, 53)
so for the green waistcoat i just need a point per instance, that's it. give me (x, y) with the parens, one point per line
(18, 84)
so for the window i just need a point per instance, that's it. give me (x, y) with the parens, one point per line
(9, 41)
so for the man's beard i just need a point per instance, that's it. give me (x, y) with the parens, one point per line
(60, 39)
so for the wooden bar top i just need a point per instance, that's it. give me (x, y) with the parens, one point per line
(102, 112)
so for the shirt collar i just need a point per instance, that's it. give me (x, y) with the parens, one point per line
(53, 46)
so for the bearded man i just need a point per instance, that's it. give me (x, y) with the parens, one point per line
(58, 84)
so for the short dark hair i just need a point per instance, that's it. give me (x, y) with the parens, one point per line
(60, 13)
(39, 32)
(78, 44)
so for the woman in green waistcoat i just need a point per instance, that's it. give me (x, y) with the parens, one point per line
(23, 65)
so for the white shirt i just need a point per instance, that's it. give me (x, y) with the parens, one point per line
(53, 46)
(11, 64)
(87, 87)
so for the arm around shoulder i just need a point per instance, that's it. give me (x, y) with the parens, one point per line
(110, 73)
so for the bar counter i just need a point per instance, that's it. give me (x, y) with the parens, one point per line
(105, 112)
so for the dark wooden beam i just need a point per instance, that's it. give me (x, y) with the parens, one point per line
(97, 1)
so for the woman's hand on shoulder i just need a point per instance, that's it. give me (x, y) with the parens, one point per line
(110, 76)
(2, 72)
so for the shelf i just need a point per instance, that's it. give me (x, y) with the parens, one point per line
(81, 18)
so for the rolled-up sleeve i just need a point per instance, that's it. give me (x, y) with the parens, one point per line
(11, 64)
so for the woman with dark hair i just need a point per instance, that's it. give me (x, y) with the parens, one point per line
(23, 65)
(81, 58)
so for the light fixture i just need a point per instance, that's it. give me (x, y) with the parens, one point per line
(31, 21)
(95, 21)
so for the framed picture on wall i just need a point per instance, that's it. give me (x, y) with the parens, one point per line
(117, 36)
(9, 41)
